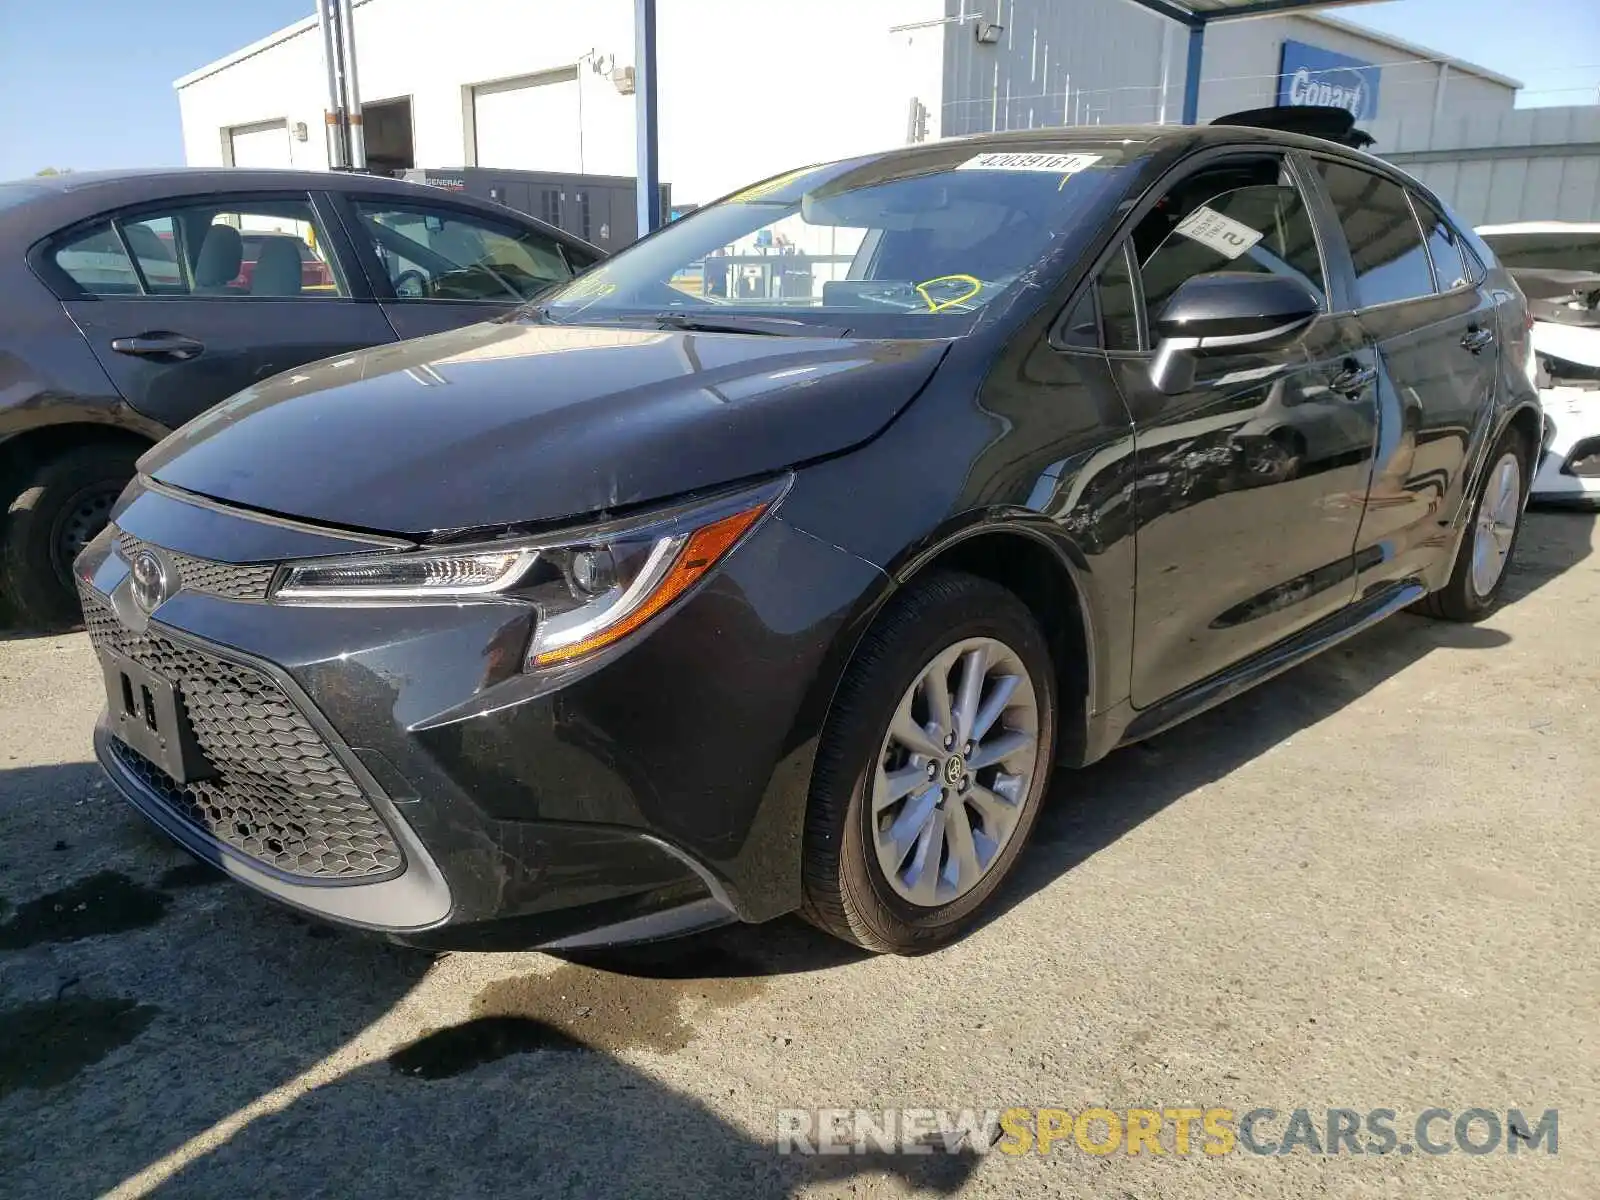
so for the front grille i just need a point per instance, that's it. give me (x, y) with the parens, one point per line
(280, 794)
(249, 581)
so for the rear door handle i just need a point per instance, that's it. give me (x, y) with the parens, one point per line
(159, 345)
(1353, 382)
(1477, 339)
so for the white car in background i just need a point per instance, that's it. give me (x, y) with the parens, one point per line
(1557, 265)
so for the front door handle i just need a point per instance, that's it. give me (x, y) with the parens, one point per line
(1478, 339)
(1353, 381)
(159, 345)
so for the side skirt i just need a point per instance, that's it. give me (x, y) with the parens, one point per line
(1290, 652)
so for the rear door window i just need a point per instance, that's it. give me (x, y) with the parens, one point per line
(1386, 243)
(222, 248)
(154, 244)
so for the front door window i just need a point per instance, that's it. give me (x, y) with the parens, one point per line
(443, 254)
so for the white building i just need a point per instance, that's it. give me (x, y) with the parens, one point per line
(748, 88)
(1523, 165)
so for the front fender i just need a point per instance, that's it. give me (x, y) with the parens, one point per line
(1095, 627)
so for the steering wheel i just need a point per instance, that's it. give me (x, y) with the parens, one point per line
(411, 285)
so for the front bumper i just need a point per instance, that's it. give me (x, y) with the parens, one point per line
(392, 768)
(1573, 423)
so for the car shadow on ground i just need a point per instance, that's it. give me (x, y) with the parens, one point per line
(569, 1120)
(165, 1032)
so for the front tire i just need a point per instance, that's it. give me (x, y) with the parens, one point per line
(1487, 550)
(64, 502)
(931, 768)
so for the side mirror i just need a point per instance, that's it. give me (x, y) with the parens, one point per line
(1223, 312)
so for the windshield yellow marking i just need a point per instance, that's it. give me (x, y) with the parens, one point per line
(974, 286)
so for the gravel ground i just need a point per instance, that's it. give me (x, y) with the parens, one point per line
(1371, 884)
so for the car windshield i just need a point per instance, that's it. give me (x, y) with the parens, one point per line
(914, 244)
(1546, 251)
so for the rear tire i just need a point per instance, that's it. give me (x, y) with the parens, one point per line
(936, 632)
(63, 503)
(1489, 546)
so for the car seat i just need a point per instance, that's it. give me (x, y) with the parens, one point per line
(278, 268)
(221, 255)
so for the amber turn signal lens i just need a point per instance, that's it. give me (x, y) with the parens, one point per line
(699, 554)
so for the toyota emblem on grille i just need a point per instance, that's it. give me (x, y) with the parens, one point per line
(153, 582)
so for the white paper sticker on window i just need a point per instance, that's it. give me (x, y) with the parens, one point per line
(1050, 164)
(1226, 236)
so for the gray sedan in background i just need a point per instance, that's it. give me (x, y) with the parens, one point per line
(136, 300)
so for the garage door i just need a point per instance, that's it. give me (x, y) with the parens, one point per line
(265, 145)
(529, 123)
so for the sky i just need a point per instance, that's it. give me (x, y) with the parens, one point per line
(119, 58)
(1552, 46)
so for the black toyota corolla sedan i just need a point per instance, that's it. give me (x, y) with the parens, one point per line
(773, 564)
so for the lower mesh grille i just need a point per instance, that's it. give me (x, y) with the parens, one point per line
(280, 794)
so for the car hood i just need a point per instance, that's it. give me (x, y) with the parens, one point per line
(516, 423)
(1574, 343)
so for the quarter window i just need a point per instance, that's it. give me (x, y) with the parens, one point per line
(1113, 322)
(1119, 311)
(97, 263)
(1246, 216)
(440, 254)
(1385, 240)
(1082, 326)
(1444, 248)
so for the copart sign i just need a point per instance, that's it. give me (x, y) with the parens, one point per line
(1312, 75)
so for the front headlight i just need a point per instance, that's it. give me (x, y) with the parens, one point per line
(417, 575)
(589, 587)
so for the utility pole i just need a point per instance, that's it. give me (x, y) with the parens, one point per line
(355, 131)
(342, 115)
(333, 112)
(644, 99)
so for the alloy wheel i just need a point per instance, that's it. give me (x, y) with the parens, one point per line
(954, 771)
(1498, 513)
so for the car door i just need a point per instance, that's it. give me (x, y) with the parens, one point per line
(1417, 297)
(436, 266)
(1251, 478)
(186, 302)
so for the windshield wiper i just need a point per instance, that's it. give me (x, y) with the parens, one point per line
(738, 323)
(530, 311)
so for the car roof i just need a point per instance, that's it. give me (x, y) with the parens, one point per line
(209, 177)
(40, 205)
(1154, 137)
(1159, 145)
(1540, 227)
